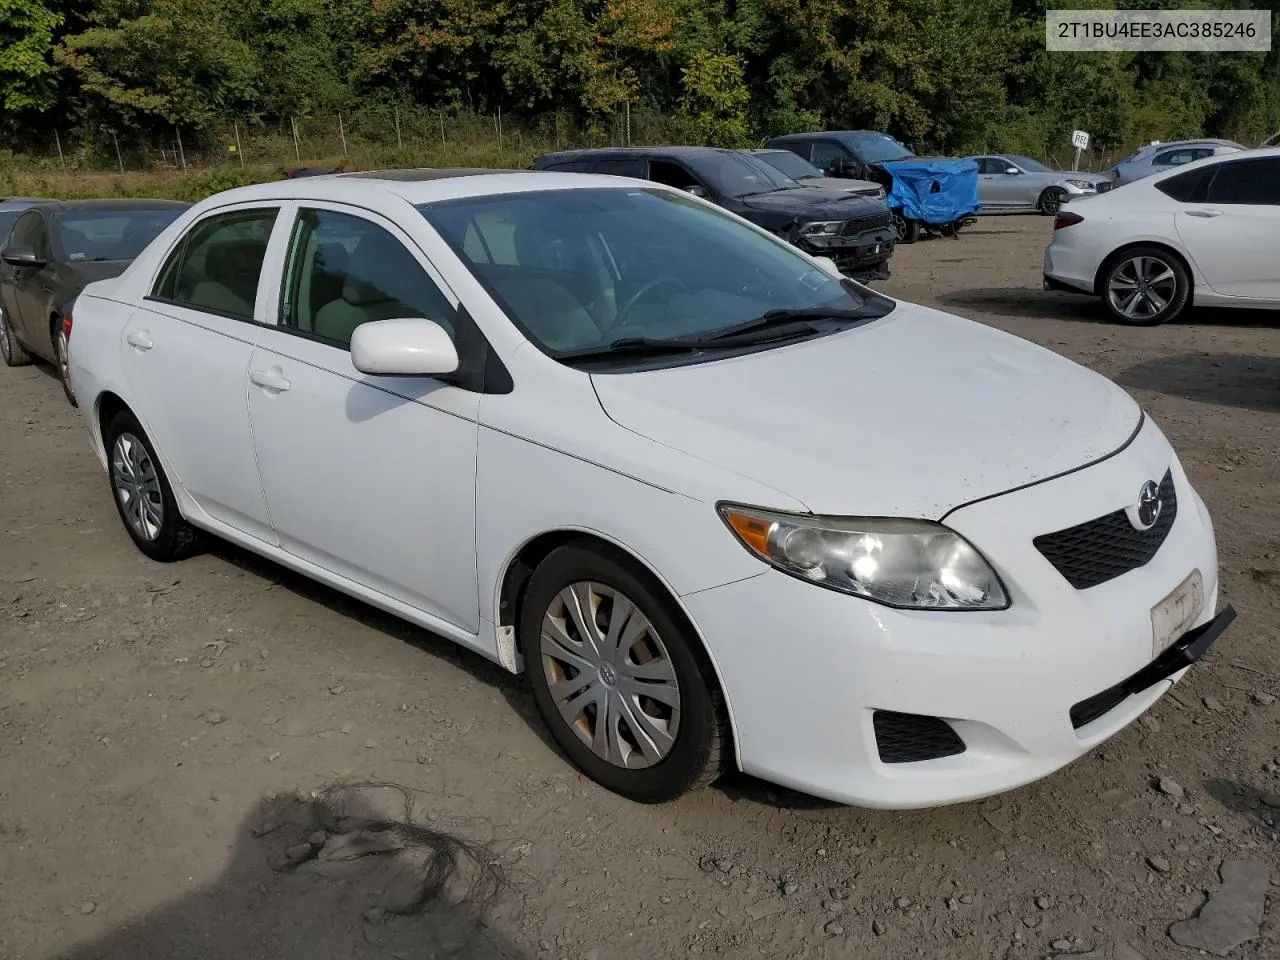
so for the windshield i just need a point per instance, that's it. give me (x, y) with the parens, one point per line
(1029, 165)
(795, 167)
(582, 268)
(109, 234)
(878, 148)
(741, 175)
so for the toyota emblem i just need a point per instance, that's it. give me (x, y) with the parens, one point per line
(1149, 505)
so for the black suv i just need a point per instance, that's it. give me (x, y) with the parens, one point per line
(854, 231)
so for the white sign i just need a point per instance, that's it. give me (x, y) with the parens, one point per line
(1079, 139)
(1166, 30)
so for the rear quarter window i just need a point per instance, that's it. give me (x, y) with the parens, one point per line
(1186, 187)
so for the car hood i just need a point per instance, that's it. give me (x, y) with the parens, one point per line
(911, 415)
(805, 202)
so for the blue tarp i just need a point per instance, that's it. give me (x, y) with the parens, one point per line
(937, 191)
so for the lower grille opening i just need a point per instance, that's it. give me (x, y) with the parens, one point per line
(910, 737)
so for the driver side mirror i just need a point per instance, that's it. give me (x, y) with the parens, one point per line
(698, 191)
(1012, 170)
(407, 347)
(17, 256)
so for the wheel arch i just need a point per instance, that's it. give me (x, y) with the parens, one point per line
(1118, 252)
(520, 565)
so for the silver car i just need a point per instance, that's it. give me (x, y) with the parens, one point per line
(1158, 157)
(1009, 183)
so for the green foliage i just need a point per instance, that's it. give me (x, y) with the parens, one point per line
(943, 75)
(26, 39)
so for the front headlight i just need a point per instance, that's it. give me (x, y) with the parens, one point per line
(1081, 184)
(912, 564)
(821, 228)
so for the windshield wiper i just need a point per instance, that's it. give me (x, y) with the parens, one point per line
(632, 346)
(775, 319)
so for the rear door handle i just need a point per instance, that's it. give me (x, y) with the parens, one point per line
(270, 380)
(140, 339)
(1204, 212)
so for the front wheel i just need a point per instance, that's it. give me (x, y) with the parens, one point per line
(618, 676)
(1146, 286)
(1051, 201)
(905, 229)
(14, 353)
(142, 493)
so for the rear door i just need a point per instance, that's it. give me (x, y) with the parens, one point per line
(186, 355)
(1232, 234)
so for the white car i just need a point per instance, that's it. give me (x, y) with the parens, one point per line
(1203, 234)
(724, 508)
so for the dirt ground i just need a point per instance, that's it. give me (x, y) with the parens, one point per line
(149, 714)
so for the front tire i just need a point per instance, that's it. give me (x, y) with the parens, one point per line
(1051, 201)
(14, 353)
(142, 493)
(905, 229)
(618, 676)
(1146, 286)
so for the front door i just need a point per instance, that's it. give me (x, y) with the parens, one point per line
(1232, 235)
(186, 355)
(370, 478)
(30, 288)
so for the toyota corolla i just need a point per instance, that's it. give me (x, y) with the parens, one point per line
(724, 507)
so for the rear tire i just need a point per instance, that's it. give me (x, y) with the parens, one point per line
(664, 729)
(1145, 286)
(62, 359)
(14, 353)
(142, 494)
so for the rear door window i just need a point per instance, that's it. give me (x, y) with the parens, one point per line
(217, 266)
(1254, 182)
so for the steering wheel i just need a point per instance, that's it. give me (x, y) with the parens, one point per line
(624, 312)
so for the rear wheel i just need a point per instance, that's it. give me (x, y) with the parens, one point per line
(1051, 201)
(62, 355)
(142, 493)
(619, 678)
(1146, 286)
(14, 353)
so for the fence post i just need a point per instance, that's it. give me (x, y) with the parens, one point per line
(498, 122)
(442, 143)
(58, 140)
(628, 123)
(119, 159)
(181, 152)
(399, 141)
(235, 126)
(297, 151)
(342, 134)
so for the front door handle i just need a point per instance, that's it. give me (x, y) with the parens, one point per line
(270, 379)
(1204, 212)
(140, 339)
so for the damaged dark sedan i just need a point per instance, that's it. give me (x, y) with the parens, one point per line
(854, 231)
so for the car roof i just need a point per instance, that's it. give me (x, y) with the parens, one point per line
(813, 135)
(677, 151)
(416, 187)
(1272, 152)
(1179, 144)
(112, 204)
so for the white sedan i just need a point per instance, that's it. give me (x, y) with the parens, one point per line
(1204, 233)
(722, 507)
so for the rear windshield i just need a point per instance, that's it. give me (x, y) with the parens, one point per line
(89, 235)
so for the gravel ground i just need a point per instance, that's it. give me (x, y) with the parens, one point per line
(149, 714)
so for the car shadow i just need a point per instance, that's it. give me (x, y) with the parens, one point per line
(1245, 800)
(1022, 303)
(393, 887)
(513, 688)
(1226, 380)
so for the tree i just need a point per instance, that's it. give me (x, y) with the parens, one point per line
(713, 107)
(26, 42)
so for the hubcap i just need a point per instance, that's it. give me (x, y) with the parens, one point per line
(1052, 202)
(137, 486)
(1142, 288)
(610, 675)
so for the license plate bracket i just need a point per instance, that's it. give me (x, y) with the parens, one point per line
(1174, 615)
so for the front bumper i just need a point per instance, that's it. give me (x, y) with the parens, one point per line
(805, 670)
(863, 256)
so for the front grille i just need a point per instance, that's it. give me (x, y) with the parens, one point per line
(910, 737)
(1099, 550)
(1104, 186)
(859, 225)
